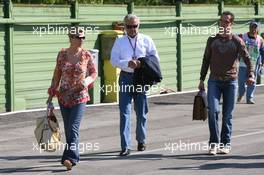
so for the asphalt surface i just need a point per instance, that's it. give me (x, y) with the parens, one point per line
(175, 143)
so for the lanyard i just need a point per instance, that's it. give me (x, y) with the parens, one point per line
(133, 47)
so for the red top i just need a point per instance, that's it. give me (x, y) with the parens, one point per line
(67, 78)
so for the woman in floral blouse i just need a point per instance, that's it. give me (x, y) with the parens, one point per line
(74, 73)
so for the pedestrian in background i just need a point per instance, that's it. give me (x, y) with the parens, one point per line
(255, 47)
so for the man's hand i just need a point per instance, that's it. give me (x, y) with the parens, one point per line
(251, 81)
(138, 64)
(201, 85)
(134, 64)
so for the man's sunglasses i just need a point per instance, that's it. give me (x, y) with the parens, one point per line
(77, 37)
(131, 26)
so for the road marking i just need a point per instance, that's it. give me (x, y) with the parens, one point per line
(96, 105)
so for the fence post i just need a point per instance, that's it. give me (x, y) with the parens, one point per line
(257, 10)
(74, 9)
(9, 62)
(257, 7)
(130, 7)
(220, 7)
(179, 45)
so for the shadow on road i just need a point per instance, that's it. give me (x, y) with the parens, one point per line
(212, 166)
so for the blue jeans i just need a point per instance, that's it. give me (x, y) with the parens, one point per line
(72, 118)
(242, 79)
(126, 94)
(228, 89)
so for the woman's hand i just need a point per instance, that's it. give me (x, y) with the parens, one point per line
(49, 100)
(87, 81)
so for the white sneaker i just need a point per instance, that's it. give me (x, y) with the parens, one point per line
(225, 150)
(212, 151)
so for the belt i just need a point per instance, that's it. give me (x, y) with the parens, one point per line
(222, 78)
(127, 73)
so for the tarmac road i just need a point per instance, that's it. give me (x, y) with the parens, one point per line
(175, 143)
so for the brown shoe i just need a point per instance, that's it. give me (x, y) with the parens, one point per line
(68, 164)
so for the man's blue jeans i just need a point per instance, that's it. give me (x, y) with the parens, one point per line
(242, 79)
(126, 94)
(217, 88)
(72, 118)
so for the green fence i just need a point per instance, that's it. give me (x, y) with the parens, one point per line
(27, 57)
(2, 71)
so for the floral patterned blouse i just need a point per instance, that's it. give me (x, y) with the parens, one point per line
(67, 78)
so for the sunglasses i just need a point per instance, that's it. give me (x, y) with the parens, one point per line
(131, 26)
(77, 37)
(225, 21)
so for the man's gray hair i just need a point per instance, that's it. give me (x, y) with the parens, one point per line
(129, 17)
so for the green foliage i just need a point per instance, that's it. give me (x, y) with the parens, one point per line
(36, 1)
(138, 2)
